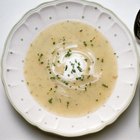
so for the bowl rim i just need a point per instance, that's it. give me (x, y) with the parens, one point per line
(21, 21)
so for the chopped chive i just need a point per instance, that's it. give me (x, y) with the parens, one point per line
(73, 71)
(53, 78)
(104, 85)
(88, 76)
(75, 61)
(66, 67)
(68, 104)
(50, 100)
(50, 89)
(53, 52)
(66, 83)
(57, 76)
(86, 59)
(41, 54)
(102, 60)
(68, 54)
(97, 100)
(85, 44)
(79, 68)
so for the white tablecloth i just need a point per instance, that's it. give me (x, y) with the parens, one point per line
(14, 127)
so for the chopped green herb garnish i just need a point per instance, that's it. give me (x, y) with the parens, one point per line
(89, 84)
(48, 66)
(86, 59)
(68, 54)
(50, 89)
(50, 100)
(102, 60)
(53, 78)
(68, 104)
(97, 100)
(57, 76)
(73, 71)
(80, 78)
(66, 67)
(85, 44)
(75, 61)
(88, 68)
(53, 52)
(104, 85)
(66, 83)
(40, 56)
(77, 78)
(88, 76)
(64, 38)
(79, 68)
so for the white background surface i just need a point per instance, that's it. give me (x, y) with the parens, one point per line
(14, 127)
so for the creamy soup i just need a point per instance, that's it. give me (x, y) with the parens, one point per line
(70, 69)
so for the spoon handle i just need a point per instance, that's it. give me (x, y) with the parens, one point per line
(137, 27)
(137, 35)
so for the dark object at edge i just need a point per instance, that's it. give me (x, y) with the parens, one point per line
(137, 27)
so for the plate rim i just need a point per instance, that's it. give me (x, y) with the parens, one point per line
(19, 23)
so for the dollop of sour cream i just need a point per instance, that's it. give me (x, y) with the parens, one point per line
(74, 68)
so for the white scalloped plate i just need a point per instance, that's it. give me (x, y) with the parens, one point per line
(24, 33)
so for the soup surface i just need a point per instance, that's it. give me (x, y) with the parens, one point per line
(70, 69)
